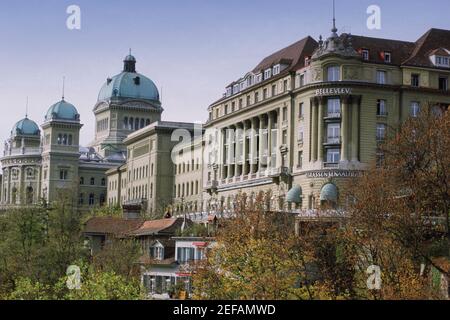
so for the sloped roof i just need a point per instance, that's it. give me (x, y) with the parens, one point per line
(431, 40)
(161, 226)
(294, 54)
(400, 50)
(112, 225)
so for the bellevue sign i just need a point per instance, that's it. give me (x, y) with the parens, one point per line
(333, 91)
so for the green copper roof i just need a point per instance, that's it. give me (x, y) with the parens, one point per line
(25, 127)
(294, 195)
(329, 193)
(62, 110)
(129, 85)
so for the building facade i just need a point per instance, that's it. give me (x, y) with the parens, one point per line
(312, 115)
(40, 163)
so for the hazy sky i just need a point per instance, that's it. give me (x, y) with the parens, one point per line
(190, 48)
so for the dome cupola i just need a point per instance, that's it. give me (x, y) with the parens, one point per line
(129, 84)
(25, 127)
(62, 110)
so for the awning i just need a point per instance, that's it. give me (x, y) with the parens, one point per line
(329, 193)
(294, 195)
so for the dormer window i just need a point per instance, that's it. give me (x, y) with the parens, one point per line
(365, 54)
(267, 74)
(229, 91)
(307, 61)
(157, 251)
(276, 69)
(258, 78)
(387, 57)
(137, 80)
(235, 88)
(442, 61)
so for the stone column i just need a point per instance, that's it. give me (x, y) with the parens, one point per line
(230, 151)
(253, 137)
(269, 139)
(314, 122)
(238, 137)
(344, 129)
(355, 128)
(321, 106)
(244, 148)
(223, 156)
(261, 143)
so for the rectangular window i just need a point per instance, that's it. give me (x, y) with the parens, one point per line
(334, 73)
(381, 108)
(443, 83)
(334, 107)
(240, 103)
(284, 138)
(256, 97)
(302, 80)
(387, 57)
(333, 156)
(285, 85)
(249, 101)
(284, 114)
(233, 106)
(63, 174)
(300, 160)
(414, 109)
(226, 109)
(365, 54)
(381, 77)
(274, 90)
(300, 110)
(415, 80)
(333, 133)
(264, 94)
(267, 74)
(276, 70)
(381, 132)
(300, 134)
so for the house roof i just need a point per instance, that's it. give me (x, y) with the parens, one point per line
(112, 225)
(294, 54)
(161, 226)
(433, 39)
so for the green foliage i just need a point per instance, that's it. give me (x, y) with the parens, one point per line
(194, 230)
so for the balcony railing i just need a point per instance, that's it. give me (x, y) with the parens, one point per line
(332, 140)
(331, 165)
(333, 115)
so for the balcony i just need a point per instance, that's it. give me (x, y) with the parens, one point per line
(330, 165)
(333, 115)
(332, 140)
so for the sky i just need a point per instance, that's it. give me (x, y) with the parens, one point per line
(191, 49)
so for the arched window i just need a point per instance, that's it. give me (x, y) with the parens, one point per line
(131, 123)
(187, 189)
(196, 187)
(29, 195)
(102, 199)
(70, 140)
(147, 122)
(192, 187)
(333, 73)
(81, 199)
(125, 123)
(14, 195)
(91, 199)
(103, 182)
(64, 141)
(136, 124)
(59, 138)
(142, 123)
(81, 180)
(92, 181)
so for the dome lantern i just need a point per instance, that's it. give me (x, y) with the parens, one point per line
(129, 63)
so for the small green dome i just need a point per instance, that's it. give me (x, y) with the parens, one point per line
(62, 110)
(25, 127)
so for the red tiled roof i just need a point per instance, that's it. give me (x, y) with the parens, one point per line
(157, 226)
(112, 225)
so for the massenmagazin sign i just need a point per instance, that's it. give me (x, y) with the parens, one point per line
(333, 91)
(333, 174)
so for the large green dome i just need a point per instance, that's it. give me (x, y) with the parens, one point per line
(129, 84)
(26, 127)
(62, 110)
